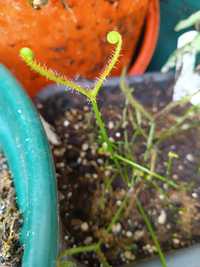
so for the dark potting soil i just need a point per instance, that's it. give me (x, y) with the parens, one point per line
(91, 191)
(10, 220)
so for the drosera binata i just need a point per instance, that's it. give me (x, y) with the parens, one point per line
(141, 173)
(114, 38)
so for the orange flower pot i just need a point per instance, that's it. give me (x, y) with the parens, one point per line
(69, 36)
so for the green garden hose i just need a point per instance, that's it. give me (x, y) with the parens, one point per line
(24, 143)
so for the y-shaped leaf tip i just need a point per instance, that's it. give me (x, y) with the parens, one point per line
(113, 37)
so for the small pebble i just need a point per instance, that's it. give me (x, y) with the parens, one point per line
(100, 161)
(155, 109)
(168, 226)
(122, 258)
(88, 175)
(95, 176)
(185, 126)
(118, 134)
(107, 245)
(119, 202)
(66, 215)
(116, 228)
(180, 212)
(149, 248)
(190, 157)
(138, 235)
(107, 173)
(162, 217)
(64, 186)
(74, 111)
(85, 147)
(110, 125)
(79, 160)
(59, 152)
(69, 195)
(194, 195)
(176, 241)
(60, 165)
(86, 108)
(66, 237)
(84, 226)
(129, 255)
(165, 186)
(173, 147)
(162, 197)
(180, 167)
(82, 154)
(88, 240)
(84, 162)
(129, 234)
(175, 176)
(2, 209)
(80, 117)
(66, 123)
(76, 127)
(61, 196)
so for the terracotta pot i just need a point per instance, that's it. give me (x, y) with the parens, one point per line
(68, 36)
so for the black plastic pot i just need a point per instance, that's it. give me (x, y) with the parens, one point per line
(150, 89)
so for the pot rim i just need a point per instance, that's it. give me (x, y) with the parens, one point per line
(150, 39)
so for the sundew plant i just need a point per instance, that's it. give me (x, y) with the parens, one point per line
(119, 160)
(114, 38)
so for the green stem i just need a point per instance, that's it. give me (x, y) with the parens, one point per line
(102, 258)
(171, 157)
(78, 250)
(150, 140)
(175, 128)
(133, 101)
(104, 134)
(118, 213)
(152, 233)
(169, 167)
(172, 105)
(102, 127)
(145, 170)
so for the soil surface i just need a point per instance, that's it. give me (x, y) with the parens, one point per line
(10, 220)
(91, 191)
